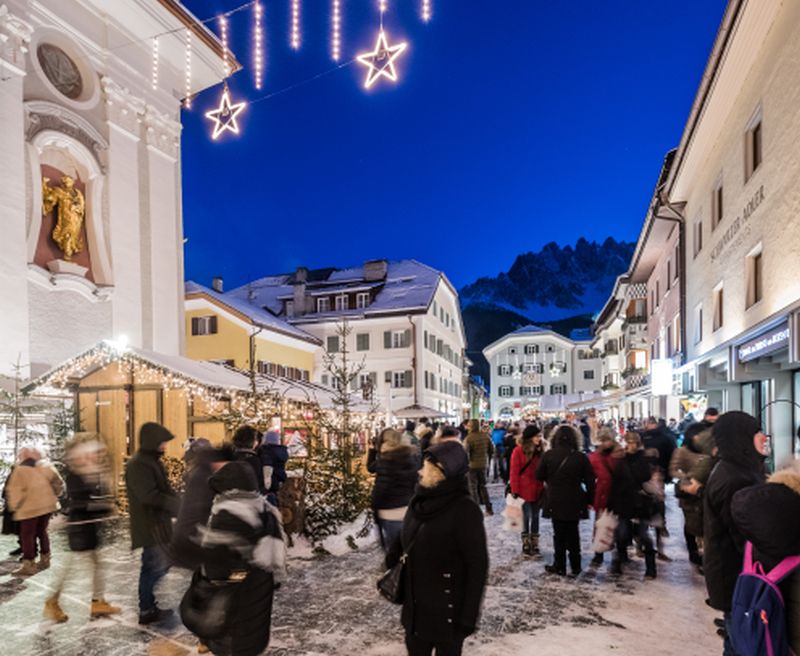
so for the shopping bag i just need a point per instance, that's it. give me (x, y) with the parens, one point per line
(604, 530)
(512, 513)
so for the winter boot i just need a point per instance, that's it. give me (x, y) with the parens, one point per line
(597, 560)
(489, 511)
(52, 611)
(28, 568)
(526, 544)
(101, 608)
(202, 649)
(44, 562)
(616, 567)
(650, 565)
(535, 545)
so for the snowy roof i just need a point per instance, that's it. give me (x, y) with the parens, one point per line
(409, 286)
(254, 313)
(530, 329)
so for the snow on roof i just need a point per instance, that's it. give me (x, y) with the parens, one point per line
(253, 312)
(409, 285)
(530, 329)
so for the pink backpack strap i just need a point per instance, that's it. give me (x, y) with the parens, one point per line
(747, 567)
(784, 568)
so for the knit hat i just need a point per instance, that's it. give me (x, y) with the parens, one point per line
(733, 434)
(531, 431)
(450, 457)
(272, 437)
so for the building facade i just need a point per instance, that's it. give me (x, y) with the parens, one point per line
(403, 326)
(534, 370)
(92, 242)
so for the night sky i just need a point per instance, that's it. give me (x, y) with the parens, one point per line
(514, 123)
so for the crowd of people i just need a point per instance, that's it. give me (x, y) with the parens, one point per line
(429, 497)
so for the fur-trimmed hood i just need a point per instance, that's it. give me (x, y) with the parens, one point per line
(790, 477)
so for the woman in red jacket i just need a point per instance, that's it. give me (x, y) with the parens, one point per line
(524, 460)
(603, 461)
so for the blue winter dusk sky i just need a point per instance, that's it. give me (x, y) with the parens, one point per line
(514, 123)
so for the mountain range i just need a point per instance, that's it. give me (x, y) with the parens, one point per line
(558, 287)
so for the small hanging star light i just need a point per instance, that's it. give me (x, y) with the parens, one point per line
(224, 116)
(381, 60)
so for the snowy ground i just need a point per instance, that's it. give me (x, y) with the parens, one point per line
(329, 606)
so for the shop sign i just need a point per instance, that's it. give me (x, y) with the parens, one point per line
(768, 342)
(738, 223)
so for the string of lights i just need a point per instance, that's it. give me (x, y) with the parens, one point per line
(154, 76)
(187, 96)
(258, 44)
(336, 30)
(295, 26)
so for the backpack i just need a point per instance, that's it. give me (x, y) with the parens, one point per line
(758, 614)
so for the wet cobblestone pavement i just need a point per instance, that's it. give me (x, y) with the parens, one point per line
(329, 606)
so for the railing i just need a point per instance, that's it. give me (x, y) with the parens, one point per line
(637, 380)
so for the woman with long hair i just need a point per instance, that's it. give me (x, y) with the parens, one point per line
(524, 461)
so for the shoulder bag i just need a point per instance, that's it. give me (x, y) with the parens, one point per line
(547, 511)
(390, 585)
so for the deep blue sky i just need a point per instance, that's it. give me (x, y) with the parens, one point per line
(515, 122)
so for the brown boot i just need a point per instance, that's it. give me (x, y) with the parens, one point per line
(54, 612)
(101, 608)
(202, 649)
(44, 562)
(28, 568)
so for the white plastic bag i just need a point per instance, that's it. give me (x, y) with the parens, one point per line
(512, 513)
(604, 530)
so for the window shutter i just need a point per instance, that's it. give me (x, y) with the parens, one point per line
(408, 379)
(499, 370)
(407, 338)
(213, 327)
(387, 339)
(425, 339)
(387, 377)
(195, 325)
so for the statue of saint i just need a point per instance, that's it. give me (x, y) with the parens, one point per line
(71, 210)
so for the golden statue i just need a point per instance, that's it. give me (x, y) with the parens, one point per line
(71, 210)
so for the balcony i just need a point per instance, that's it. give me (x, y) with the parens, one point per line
(636, 380)
(634, 320)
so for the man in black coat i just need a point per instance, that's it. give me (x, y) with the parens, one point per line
(152, 504)
(659, 438)
(445, 574)
(570, 481)
(740, 445)
(245, 441)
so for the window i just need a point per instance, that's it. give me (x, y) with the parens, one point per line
(719, 314)
(362, 300)
(669, 341)
(716, 206)
(676, 334)
(505, 390)
(698, 324)
(698, 236)
(324, 380)
(588, 374)
(533, 367)
(752, 148)
(342, 303)
(526, 391)
(333, 344)
(677, 260)
(754, 267)
(362, 342)
(323, 304)
(558, 388)
(537, 390)
(435, 308)
(397, 338)
(531, 349)
(433, 381)
(658, 293)
(504, 370)
(204, 325)
(669, 275)
(652, 301)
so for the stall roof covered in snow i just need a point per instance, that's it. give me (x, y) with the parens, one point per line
(406, 286)
(253, 313)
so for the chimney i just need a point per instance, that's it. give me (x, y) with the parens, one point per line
(375, 270)
(216, 284)
(300, 296)
(301, 275)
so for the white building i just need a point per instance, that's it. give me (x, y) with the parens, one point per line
(77, 100)
(533, 370)
(734, 185)
(405, 323)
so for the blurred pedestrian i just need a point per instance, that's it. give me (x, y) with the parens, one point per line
(10, 527)
(524, 484)
(479, 449)
(570, 483)
(273, 456)
(245, 440)
(603, 462)
(32, 494)
(152, 505)
(91, 502)
(445, 574)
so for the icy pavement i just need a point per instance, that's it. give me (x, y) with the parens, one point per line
(329, 605)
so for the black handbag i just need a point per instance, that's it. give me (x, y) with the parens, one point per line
(206, 606)
(390, 584)
(547, 511)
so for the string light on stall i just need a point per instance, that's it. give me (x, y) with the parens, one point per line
(154, 77)
(258, 44)
(295, 40)
(336, 30)
(427, 10)
(187, 99)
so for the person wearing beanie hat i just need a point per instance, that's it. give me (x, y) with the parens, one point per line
(447, 565)
(152, 504)
(741, 447)
(524, 460)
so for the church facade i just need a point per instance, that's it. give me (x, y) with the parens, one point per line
(90, 209)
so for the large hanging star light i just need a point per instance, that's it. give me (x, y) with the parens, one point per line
(224, 117)
(381, 60)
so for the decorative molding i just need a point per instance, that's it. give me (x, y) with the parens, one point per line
(162, 133)
(15, 35)
(69, 282)
(42, 115)
(123, 109)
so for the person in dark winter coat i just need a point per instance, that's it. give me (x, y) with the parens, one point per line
(524, 460)
(445, 574)
(243, 546)
(395, 469)
(740, 444)
(632, 504)
(757, 512)
(152, 504)
(570, 482)
(202, 460)
(273, 456)
(10, 527)
(88, 484)
(245, 441)
(603, 463)
(479, 448)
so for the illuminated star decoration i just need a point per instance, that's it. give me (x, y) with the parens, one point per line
(381, 60)
(225, 116)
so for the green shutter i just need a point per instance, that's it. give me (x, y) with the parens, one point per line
(387, 339)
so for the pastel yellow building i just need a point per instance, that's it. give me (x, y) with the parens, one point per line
(224, 329)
